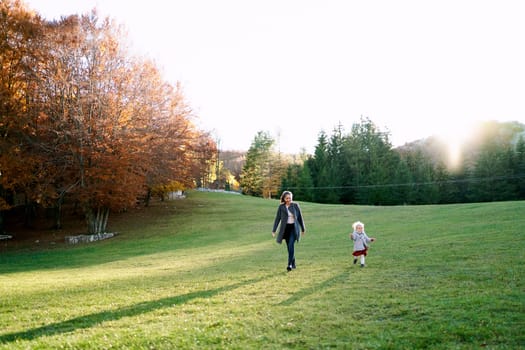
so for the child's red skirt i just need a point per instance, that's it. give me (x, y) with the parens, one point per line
(360, 252)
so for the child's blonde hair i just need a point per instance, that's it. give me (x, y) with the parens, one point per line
(358, 223)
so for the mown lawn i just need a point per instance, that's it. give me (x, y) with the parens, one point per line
(205, 273)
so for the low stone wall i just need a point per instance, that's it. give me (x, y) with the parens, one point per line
(89, 238)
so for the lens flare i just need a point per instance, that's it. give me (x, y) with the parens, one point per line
(455, 136)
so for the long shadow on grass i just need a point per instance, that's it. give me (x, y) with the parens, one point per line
(131, 243)
(96, 253)
(316, 288)
(91, 320)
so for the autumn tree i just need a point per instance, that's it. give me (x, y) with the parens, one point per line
(84, 126)
(82, 119)
(169, 144)
(204, 165)
(21, 166)
(124, 129)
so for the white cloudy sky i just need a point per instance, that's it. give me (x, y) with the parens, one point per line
(296, 67)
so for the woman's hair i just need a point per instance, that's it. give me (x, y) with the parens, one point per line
(355, 224)
(285, 193)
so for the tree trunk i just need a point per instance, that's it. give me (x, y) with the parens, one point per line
(148, 198)
(2, 225)
(29, 214)
(97, 220)
(58, 213)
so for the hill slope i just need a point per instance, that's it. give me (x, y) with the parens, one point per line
(205, 273)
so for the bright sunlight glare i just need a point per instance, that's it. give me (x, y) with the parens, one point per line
(455, 135)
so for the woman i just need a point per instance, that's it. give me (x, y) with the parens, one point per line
(290, 221)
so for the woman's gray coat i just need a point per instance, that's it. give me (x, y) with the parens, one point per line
(282, 217)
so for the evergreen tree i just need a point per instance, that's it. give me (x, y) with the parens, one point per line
(258, 166)
(519, 168)
(304, 184)
(443, 185)
(335, 171)
(372, 163)
(491, 174)
(363, 168)
(402, 181)
(318, 165)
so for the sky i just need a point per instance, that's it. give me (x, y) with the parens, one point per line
(294, 68)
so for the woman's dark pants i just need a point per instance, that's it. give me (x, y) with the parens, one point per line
(289, 237)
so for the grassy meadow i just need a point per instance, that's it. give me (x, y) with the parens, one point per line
(205, 273)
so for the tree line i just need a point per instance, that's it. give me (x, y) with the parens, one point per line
(84, 122)
(362, 167)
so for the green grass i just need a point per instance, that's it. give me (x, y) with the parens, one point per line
(205, 273)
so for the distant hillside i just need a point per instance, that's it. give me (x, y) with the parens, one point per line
(483, 135)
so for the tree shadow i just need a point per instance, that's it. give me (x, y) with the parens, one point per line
(138, 235)
(96, 253)
(309, 291)
(91, 320)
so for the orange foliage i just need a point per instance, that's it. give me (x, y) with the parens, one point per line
(84, 119)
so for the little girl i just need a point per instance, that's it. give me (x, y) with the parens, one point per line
(361, 241)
